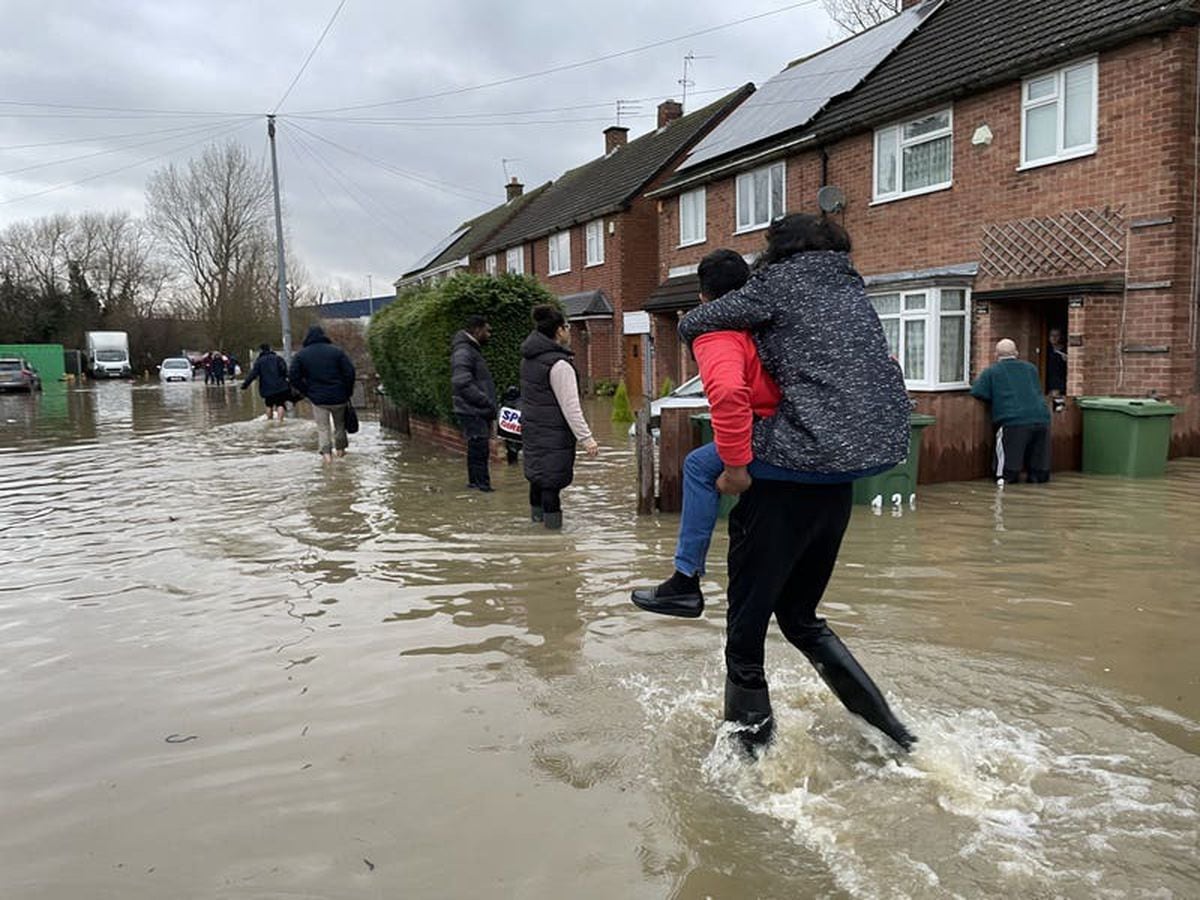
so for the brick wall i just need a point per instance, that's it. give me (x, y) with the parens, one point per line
(1144, 164)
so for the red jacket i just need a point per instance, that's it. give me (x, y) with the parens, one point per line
(739, 391)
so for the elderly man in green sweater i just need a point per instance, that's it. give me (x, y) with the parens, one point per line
(1014, 390)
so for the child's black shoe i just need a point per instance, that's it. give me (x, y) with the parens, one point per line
(679, 595)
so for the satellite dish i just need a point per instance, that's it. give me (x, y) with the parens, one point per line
(831, 199)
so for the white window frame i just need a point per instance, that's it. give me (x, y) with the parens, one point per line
(932, 316)
(1061, 153)
(700, 214)
(900, 144)
(489, 264)
(772, 214)
(593, 242)
(558, 247)
(517, 254)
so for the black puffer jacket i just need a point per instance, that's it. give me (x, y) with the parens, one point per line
(546, 438)
(474, 390)
(322, 371)
(271, 373)
(844, 407)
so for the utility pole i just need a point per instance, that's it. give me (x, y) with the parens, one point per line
(370, 296)
(285, 316)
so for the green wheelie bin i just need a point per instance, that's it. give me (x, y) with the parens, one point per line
(900, 481)
(1126, 436)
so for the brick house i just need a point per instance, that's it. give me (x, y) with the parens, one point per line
(1004, 168)
(592, 239)
(452, 254)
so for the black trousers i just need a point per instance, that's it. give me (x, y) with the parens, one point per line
(784, 539)
(477, 430)
(545, 499)
(1023, 447)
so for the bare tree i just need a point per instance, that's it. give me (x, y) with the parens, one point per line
(859, 15)
(212, 217)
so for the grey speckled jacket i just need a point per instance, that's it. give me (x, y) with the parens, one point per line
(844, 407)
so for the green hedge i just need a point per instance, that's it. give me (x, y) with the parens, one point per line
(410, 339)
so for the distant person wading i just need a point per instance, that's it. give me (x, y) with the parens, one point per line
(474, 398)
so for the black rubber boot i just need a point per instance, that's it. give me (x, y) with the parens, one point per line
(750, 708)
(849, 681)
(679, 595)
(552, 520)
(536, 514)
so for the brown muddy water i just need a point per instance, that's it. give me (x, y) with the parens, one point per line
(228, 673)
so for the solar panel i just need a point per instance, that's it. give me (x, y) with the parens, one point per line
(794, 97)
(438, 249)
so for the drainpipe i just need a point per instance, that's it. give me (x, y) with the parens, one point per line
(824, 166)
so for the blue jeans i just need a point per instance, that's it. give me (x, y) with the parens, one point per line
(701, 501)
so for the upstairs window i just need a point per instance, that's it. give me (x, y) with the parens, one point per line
(760, 197)
(514, 260)
(593, 234)
(1058, 114)
(914, 157)
(927, 333)
(560, 253)
(692, 223)
(489, 264)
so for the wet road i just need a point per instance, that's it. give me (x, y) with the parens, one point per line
(229, 673)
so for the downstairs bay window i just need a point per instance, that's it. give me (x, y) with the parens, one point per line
(927, 332)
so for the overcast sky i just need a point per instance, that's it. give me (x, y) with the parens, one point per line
(348, 217)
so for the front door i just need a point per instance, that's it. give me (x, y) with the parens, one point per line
(635, 363)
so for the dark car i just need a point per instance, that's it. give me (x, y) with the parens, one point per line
(16, 374)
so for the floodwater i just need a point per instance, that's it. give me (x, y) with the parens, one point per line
(229, 673)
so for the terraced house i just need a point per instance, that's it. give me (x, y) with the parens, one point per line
(592, 239)
(1004, 168)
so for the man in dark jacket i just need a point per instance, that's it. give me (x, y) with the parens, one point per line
(324, 374)
(1014, 390)
(270, 371)
(474, 398)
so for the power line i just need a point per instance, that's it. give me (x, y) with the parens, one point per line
(96, 138)
(568, 66)
(437, 123)
(214, 133)
(388, 167)
(352, 190)
(37, 104)
(311, 54)
(192, 129)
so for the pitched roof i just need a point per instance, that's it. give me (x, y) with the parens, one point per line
(465, 239)
(588, 303)
(609, 182)
(967, 47)
(964, 47)
(677, 292)
(794, 97)
(353, 309)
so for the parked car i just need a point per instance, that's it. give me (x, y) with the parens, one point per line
(175, 368)
(16, 374)
(689, 395)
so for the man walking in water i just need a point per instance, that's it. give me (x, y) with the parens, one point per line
(324, 374)
(843, 411)
(1019, 412)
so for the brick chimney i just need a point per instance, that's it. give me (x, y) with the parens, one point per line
(615, 136)
(514, 189)
(668, 112)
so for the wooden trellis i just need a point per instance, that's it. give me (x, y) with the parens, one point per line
(1080, 240)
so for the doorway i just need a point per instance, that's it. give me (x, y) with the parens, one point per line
(1031, 323)
(636, 346)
